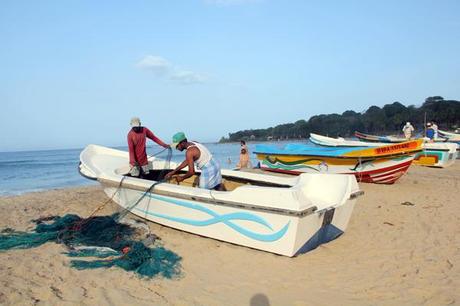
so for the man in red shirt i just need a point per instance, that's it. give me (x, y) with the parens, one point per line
(137, 138)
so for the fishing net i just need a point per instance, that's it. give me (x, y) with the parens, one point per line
(102, 237)
(100, 242)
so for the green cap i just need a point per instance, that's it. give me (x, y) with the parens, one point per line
(178, 137)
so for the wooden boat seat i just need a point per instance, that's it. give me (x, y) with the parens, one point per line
(230, 183)
(195, 180)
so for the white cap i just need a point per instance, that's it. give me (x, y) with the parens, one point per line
(407, 123)
(135, 121)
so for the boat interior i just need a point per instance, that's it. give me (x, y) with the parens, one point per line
(230, 182)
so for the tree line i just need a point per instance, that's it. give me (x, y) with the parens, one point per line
(375, 120)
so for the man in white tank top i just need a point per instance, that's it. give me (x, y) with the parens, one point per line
(199, 155)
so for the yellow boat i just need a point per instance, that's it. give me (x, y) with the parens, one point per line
(383, 164)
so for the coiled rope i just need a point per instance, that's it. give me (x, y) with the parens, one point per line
(78, 225)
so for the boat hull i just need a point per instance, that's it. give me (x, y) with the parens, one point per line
(374, 138)
(282, 215)
(378, 170)
(454, 137)
(434, 154)
(435, 158)
(282, 234)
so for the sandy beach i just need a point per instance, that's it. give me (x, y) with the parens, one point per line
(402, 247)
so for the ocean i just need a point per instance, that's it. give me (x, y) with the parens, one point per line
(28, 171)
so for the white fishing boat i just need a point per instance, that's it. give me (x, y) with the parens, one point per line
(340, 142)
(455, 137)
(282, 215)
(434, 154)
(445, 137)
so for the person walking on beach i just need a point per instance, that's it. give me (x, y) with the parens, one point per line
(245, 161)
(197, 154)
(408, 129)
(435, 129)
(429, 132)
(137, 138)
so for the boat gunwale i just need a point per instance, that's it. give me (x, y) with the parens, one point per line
(434, 150)
(346, 144)
(371, 157)
(84, 175)
(305, 212)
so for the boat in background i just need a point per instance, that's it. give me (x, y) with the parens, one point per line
(375, 138)
(393, 139)
(282, 215)
(450, 136)
(383, 164)
(339, 141)
(434, 154)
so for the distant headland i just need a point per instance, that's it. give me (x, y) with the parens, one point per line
(375, 120)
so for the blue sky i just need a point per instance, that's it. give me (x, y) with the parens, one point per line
(75, 72)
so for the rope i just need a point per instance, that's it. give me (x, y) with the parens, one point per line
(167, 148)
(128, 209)
(168, 158)
(108, 201)
(78, 225)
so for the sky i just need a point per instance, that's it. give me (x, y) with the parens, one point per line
(73, 72)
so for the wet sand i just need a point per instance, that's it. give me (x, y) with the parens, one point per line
(402, 247)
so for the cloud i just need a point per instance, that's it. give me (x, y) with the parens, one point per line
(157, 64)
(188, 77)
(163, 68)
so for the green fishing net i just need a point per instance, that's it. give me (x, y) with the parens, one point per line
(105, 239)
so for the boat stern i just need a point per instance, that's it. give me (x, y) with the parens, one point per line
(334, 211)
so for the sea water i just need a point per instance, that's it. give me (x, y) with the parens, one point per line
(22, 172)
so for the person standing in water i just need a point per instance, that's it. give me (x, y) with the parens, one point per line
(245, 160)
(137, 138)
(197, 154)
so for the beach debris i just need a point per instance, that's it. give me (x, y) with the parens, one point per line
(407, 203)
(431, 206)
(150, 239)
(56, 292)
(388, 223)
(109, 242)
(91, 251)
(44, 219)
(7, 230)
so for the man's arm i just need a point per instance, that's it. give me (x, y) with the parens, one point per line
(189, 159)
(152, 136)
(191, 153)
(179, 168)
(132, 153)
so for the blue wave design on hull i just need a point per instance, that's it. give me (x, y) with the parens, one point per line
(216, 218)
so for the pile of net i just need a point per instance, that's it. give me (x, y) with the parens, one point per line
(104, 239)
